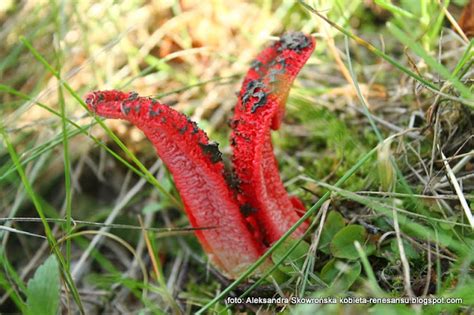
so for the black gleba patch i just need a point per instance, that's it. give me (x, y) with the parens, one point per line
(255, 88)
(194, 125)
(153, 113)
(247, 209)
(256, 65)
(124, 108)
(296, 41)
(251, 88)
(212, 151)
(132, 96)
(262, 100)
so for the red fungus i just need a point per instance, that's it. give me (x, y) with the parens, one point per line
(197, 169)
(246, 210)
(261, 106)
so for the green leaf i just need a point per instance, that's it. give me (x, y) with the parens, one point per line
(340, 275)
(43, 289)
(342, 245)
(334, 223)
(410, 251)
(294, 262)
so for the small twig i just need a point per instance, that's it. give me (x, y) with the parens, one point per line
(453, 22)
(403, 257)
(445, 183)
(309, 261)
(173, 230)
(393, 194)
(428, 272)
(467, 155)
(458, 190)
(154, 263)
(10, 229)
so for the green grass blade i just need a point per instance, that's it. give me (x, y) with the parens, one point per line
(67, 175)
(60, 25)
(387, 5)
(467, 56)
(9, 291)
(430, 61)
(9, 275)
(359, 93)
(39, 209)
(368, 270)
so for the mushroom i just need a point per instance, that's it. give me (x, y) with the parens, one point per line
(260, 108)
(197, 169)
(237, 215)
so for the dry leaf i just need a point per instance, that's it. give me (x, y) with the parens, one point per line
(466, 22)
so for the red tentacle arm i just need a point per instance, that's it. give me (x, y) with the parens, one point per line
(260, 108)
(197, 169)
